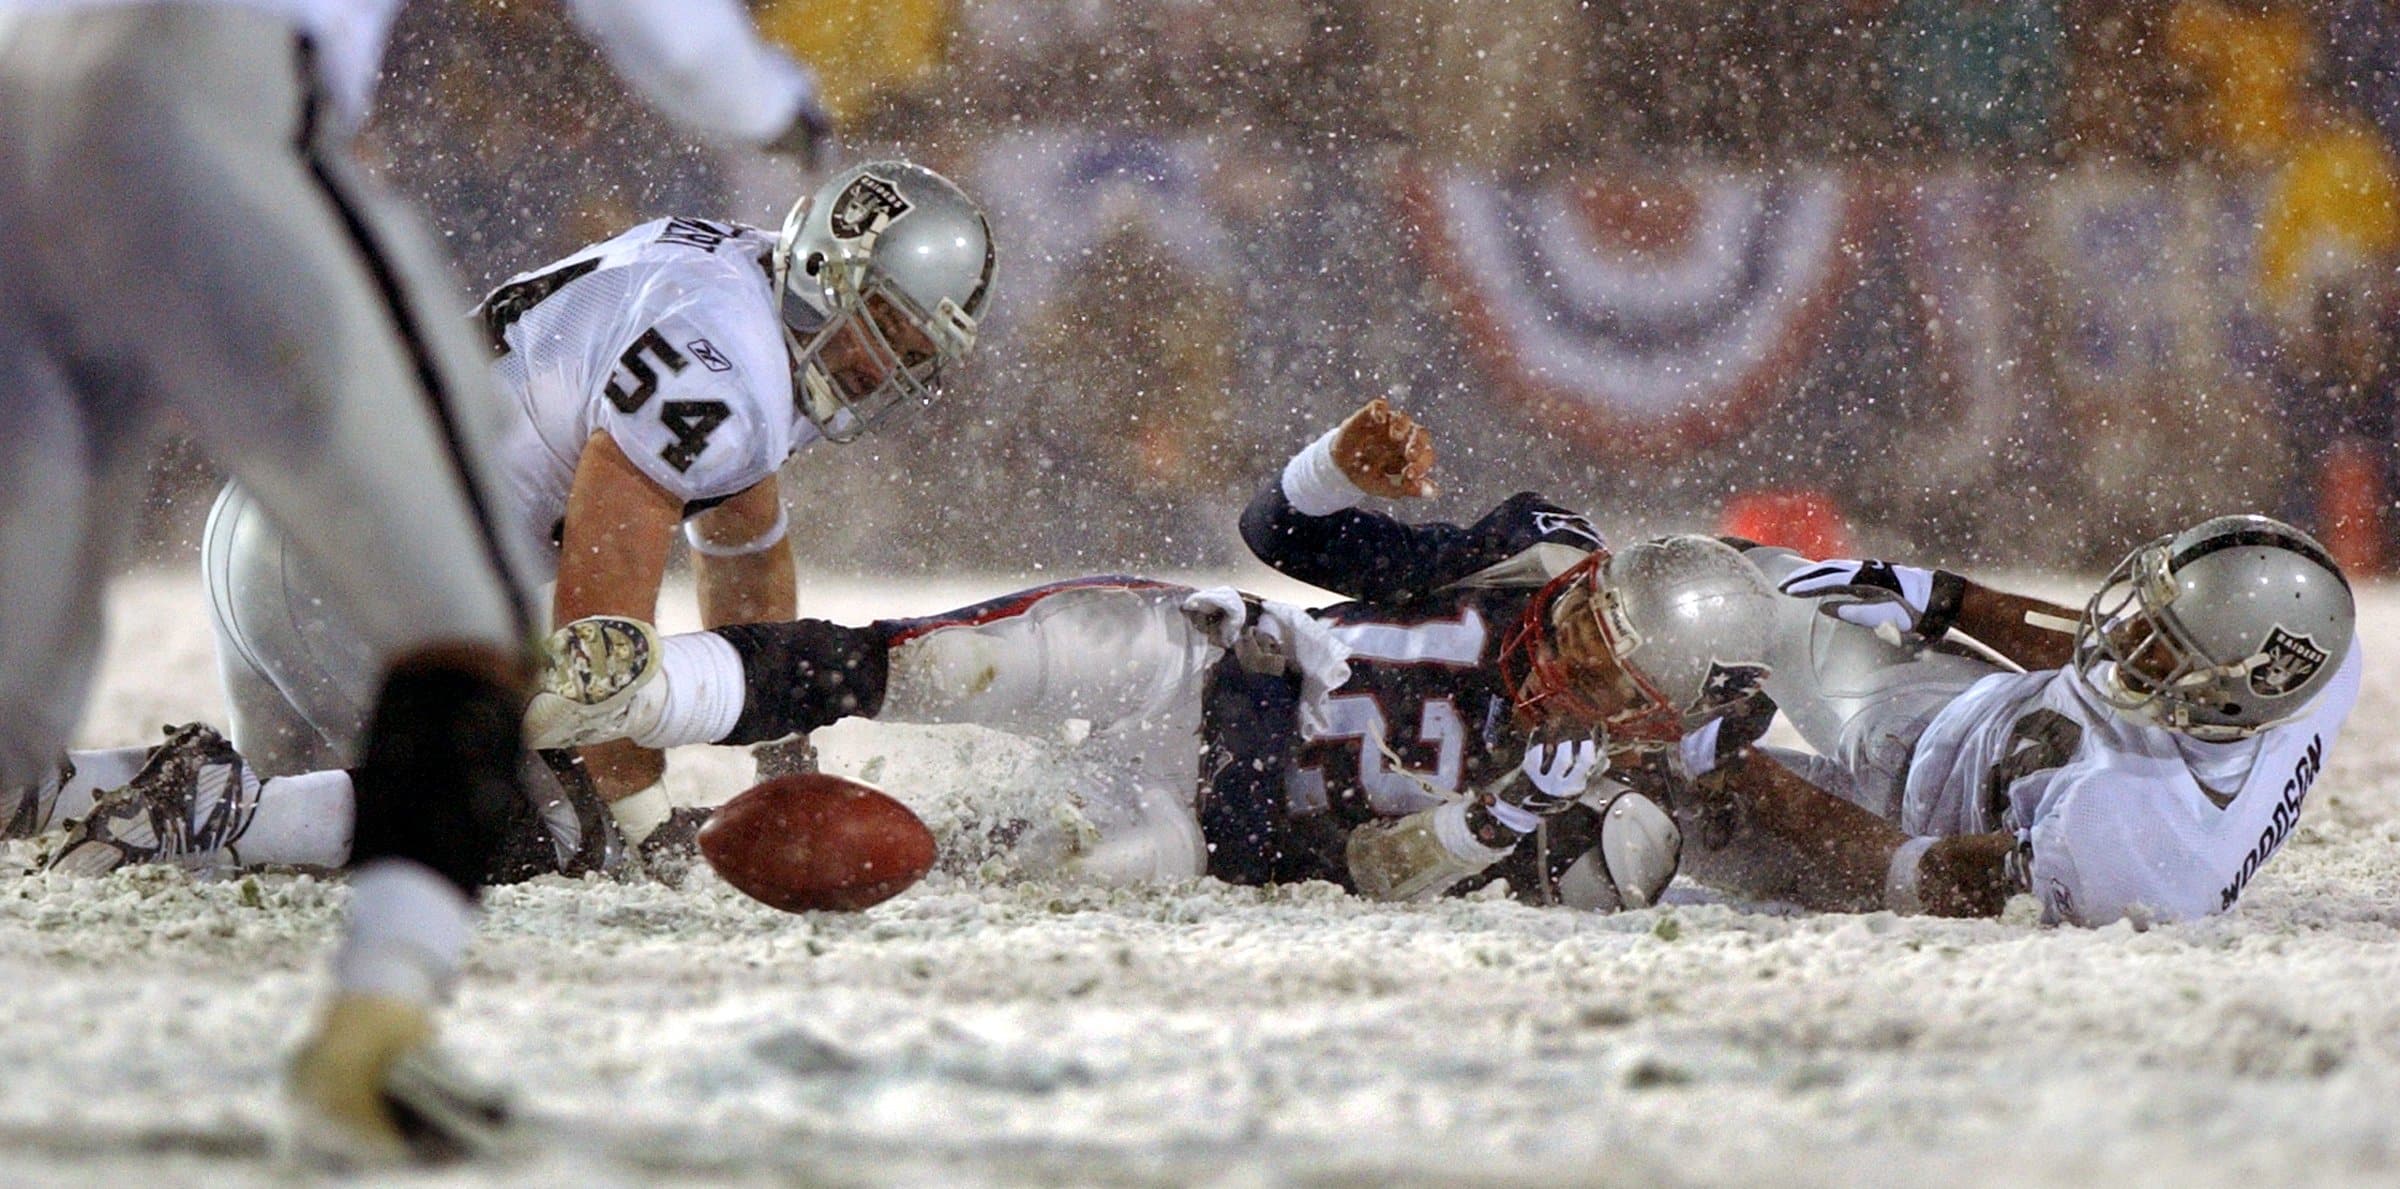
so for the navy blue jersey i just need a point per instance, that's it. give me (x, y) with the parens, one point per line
(1426, 711)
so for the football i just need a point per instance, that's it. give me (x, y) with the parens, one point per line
(815, 843)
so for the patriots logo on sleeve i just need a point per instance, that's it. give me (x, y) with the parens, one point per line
(1727, 684)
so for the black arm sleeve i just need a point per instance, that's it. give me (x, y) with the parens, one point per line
(1371, 556)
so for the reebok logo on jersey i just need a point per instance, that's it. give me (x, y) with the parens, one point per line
(866, 207)
(2279, 827)
(1548, 524)
(2291, 659)
(708, 355)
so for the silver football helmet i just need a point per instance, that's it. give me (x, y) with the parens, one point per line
(883, 274)
(2219, 631)
(1687, 619)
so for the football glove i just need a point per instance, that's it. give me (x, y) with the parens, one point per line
(1890, 600)
(1549, 779)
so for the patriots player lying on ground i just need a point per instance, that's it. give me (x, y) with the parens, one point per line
(1468, 695)
(2154, 752)
(656, 378)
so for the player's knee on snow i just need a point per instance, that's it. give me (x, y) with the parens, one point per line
(438, 782)
(804, 675)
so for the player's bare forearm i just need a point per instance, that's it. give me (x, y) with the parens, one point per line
(740, 579)
(612, 558)
(2032, 633)
(1822, 852)
(1819, 851)
(753, 588)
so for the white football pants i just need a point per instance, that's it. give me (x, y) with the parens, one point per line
(1117, 653)
(177, 235)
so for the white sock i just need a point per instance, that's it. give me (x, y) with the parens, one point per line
(96, 772)
(408, 930)
(302, 821)
(640, 815)
(705, 691)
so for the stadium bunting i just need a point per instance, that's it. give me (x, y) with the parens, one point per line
(1656, 313)
(1055, 193)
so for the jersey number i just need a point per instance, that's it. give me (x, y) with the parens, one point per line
(1392, 788)
(2040, 741)
(691, 421)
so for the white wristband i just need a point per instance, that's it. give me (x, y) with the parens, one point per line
(1900, 880)
(641, 814)
(1315, 484)
(758, 544)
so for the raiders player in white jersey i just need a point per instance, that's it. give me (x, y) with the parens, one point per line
(2153, 753)
(656, 378)
(181, 232)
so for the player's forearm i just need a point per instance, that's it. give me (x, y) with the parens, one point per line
(1821, 851)
(742, 559)
(612, 558)
(749, 588)
(2032, 633)
(613, 547)
(1828, 854)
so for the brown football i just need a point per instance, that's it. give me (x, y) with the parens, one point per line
(817, 843)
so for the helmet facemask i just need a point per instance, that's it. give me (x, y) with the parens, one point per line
(861, 345)
(2155, 670)
(1567, 645)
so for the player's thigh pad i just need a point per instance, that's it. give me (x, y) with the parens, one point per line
(299, 677)
(1102, 651)
(202, 223)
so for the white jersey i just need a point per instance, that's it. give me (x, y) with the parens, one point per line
(2122, 817)
(700, 62)
(668, 339)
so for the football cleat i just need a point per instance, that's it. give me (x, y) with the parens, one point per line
(191, 801)
(369, 1089)
(600, 681)
(25, 812)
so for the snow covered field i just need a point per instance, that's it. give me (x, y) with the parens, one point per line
(998, 1031)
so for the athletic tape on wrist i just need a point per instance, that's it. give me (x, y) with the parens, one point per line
(1900, 893)
(758, 544)
(1314, 483)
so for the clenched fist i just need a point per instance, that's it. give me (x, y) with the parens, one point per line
(1385, 452)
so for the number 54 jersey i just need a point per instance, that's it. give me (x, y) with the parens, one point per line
(2120, 818)
(668, 339)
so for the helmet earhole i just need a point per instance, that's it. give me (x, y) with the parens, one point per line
(815, 263)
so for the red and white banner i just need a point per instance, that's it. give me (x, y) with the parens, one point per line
(1654, 313)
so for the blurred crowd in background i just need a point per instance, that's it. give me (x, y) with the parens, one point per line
(1979, 282)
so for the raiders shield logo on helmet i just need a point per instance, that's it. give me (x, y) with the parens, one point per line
(2290, 661)
(866, 207)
